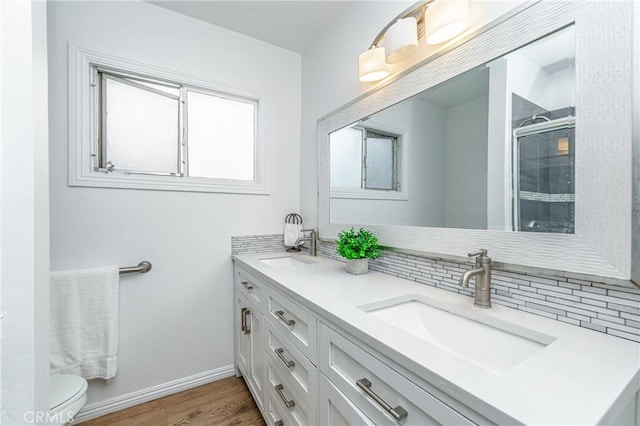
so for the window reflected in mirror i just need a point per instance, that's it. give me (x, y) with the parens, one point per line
(493, 148)
(363, 158)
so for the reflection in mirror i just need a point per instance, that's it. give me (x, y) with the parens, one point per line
(492, 148)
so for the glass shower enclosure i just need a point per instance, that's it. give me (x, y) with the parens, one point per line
(544, 175)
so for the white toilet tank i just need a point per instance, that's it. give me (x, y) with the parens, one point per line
(67, 395)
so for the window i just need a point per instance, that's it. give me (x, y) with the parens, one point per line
(141, 127)
(364, 163)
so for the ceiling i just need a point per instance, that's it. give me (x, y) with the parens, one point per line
(288, 24)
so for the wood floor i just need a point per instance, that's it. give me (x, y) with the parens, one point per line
(225, 402)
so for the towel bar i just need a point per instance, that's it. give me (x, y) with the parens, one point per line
(142, 267)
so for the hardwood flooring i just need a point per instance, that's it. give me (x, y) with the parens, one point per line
(225, 402)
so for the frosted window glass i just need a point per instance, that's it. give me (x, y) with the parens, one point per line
(221, 138)
(141, 129)
(379, 163)
(345, 151)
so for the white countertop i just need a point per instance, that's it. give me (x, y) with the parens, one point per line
(583, 377)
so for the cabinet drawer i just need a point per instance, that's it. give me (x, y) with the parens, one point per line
(275, 411)
(295, 323)
(293, 364)
(251, 287)
(282, 393)
(335, 409)
(372, 385)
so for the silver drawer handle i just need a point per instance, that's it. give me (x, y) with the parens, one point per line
(246, 285)
(397, 413)
(280, 314)
(279, 423)
(287, 362)
(289, 403)
(246, 312)
(243, 320)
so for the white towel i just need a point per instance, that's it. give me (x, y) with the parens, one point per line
(292, 231)
(84, 322)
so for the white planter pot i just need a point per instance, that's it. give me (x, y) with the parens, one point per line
(358, 266)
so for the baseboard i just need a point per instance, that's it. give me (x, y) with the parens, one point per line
(98, 409)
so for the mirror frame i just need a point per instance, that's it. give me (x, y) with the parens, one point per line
(601, 245)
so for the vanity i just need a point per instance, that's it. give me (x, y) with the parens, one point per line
(317, 345)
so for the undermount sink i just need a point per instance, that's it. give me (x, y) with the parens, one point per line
(285, 262)
(491, 344)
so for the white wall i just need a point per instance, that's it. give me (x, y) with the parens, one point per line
(24, 212)
(175, 321)
(551, 91)
(466, 165)
(330, 72)
(429, 161)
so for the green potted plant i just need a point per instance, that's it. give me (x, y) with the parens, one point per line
(357, 248)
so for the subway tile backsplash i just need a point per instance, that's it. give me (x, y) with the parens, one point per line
(257, 243)
(600, 307)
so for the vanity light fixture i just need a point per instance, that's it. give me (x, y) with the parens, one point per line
(436, 20)
(445, 20)
(401, 39)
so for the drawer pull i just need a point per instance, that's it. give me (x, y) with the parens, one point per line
(243, 320)
(246, 285)
(287, 362)
(397, 413)
(280, 314)
(289, 403)
(279, 423)
(246, 312)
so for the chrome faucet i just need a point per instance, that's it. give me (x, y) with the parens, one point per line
(313, 241)
(482, 272)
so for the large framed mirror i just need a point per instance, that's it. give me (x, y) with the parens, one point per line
(518, 139)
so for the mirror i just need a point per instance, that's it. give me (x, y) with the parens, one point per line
(576, 222)
(492, 148)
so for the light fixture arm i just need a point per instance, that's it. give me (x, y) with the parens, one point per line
(417, 10)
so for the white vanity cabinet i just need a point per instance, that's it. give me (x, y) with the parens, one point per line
(301, 371)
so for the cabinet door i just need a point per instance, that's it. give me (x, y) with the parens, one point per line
(335, 409)
(250, 346)
(256, 325)
(243, 339)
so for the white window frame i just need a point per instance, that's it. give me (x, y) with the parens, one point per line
(403, 136)
(83, 128)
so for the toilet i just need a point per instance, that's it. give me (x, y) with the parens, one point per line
(67, 395)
